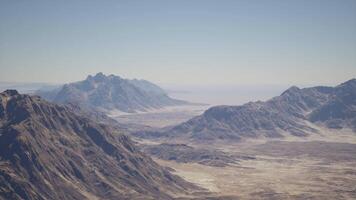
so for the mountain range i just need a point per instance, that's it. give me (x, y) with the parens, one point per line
(104, 93)
(50, 151)
(295, 112)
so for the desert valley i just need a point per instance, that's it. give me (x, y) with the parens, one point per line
(299, 145)
(178, 100)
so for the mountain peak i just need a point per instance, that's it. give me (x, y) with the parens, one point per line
(100, 74)
(10, 92)
(291, 90)
(349, 82)
(99, 77)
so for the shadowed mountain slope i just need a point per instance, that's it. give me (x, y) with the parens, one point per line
(112, 92)
(49, 152)
(289, 113)
(340, 109)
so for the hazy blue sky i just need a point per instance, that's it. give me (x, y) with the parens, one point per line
(182, 41)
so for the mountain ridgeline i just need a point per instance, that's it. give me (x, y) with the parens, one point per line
(295, 112)
(101, 92)
(47, 151)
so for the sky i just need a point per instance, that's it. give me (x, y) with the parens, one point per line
(189, 42)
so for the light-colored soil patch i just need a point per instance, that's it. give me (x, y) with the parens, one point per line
(160, 117)
(279, 175)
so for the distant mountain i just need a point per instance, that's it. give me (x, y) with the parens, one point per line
(290, 113)
(103, 92)
(48, 151)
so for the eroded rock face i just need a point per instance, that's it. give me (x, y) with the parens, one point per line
(289, 113)
(49, 152)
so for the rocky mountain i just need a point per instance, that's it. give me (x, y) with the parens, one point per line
(290, 113)
(103, 92)
(340, 110)
(49, 151)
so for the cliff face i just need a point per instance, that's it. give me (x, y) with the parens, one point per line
(49, 152)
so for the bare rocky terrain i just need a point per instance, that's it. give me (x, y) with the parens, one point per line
(48, 151)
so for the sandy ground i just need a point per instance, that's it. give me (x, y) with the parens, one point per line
(160, 117)
(282, 170)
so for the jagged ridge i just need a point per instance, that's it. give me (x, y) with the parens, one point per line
(288, 113)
